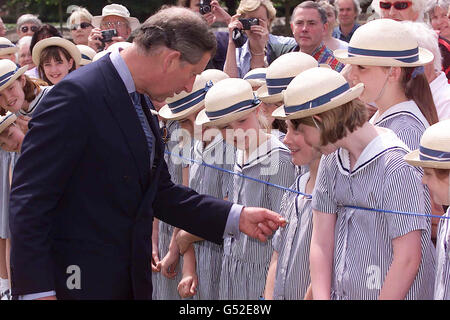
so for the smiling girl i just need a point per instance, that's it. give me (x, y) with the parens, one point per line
(231, 106)
(55, 58)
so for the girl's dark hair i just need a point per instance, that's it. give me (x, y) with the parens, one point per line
(334, 124)
(279, 125)
(53, 52)
(45, 31)
(32, 87)
(418, 90)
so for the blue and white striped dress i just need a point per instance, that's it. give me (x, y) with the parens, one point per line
(363, 250)
(246, 260)
(164, 288)
(406, 120)
(292, 244)
(442, 283)
(213, 182)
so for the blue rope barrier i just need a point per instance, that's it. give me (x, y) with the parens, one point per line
(308, 196)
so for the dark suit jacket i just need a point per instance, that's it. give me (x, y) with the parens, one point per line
(83, 194)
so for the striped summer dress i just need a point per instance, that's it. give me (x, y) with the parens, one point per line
(363, 249)
(164, 288)
(35, 102)
(292, 244)
(442, 283)
(246, 260)
(406, 120)
(210, 181)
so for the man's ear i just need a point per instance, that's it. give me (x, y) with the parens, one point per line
(171, 60)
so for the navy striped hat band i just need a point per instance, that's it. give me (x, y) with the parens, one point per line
(83, 56)
(426, 154)
(317, 102)
(408, 56)
(190, 100)
(4, 46)
(238, 107)
(5, 78)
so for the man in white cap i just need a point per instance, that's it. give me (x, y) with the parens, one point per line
(114, 16)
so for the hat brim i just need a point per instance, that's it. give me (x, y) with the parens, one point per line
(202, 118)
(413, 158)
(59, 42)
(167, 114)
(9, 50)
(343, 98)
(7, 122)
(134, 22)
(425, 57)
(16, 75)
(265, 97)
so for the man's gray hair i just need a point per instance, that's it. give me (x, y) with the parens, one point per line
(311, 5)
(356, 6)
(179, 29)
(28, 18)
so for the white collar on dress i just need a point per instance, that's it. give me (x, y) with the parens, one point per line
(406, 107)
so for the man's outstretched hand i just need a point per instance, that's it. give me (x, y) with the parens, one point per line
(260, 223)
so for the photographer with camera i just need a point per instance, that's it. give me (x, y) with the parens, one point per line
(114, 25)
(250, 43)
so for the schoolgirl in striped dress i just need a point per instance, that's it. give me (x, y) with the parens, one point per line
(231, 106)
(184, 108)
(355, 253)
(434, 157)
(288, 276)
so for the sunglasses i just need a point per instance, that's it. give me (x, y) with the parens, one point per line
(82, 25)
(398, 5)
(25, 29)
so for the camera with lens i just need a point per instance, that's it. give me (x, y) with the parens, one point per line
(107, 35)
(205, 6)
(247, 23)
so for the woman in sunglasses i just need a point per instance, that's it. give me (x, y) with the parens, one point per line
(80, 25)
(400, 10)
(27, 25)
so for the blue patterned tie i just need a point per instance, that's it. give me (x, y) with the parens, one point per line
(136, 98)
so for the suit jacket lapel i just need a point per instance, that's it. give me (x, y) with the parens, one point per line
(119, 103)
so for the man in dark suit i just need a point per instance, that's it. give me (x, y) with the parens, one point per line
(92, 175)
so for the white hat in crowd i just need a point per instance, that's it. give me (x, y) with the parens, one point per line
(281, 72)
(384, 42)
(315, 91)
(256, 77)
(9, 72)
(7, 47)
(115, 46)
(434, 150)
(58, 42)
(228, 100)
(6, 120)
(116, 10)
(87, 54)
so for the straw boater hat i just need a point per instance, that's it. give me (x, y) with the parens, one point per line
(227, 101)
(6, 120)
(281, 72)
(7, 47)
(185, 103)
(116, 10)
(87, 54)
(434, 150)
(384, 42)
(256, 77)
(9, 72)
(214, 75)
(315, 91)
(58, 42)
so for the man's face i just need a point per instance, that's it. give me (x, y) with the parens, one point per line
(27, 29)
(308, 29)
(407, 14)
(119, 23)
(347, 13)
(179, 76)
